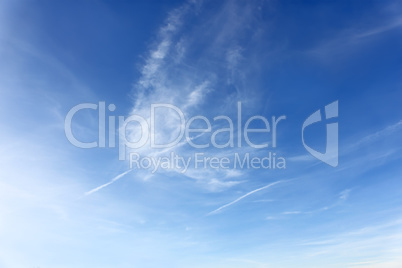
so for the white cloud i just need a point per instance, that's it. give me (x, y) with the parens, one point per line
(243, 196)
(108, 183)
(344, 194)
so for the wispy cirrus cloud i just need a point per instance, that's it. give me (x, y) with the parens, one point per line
(108, 183)
(342, 197)
(243, 196)
(177, 71)
(353, 146)
(369, 246)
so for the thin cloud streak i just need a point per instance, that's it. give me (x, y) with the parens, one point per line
(241, 197)
(351, 147)
(343, 196)
(108, 183)
(381, 29)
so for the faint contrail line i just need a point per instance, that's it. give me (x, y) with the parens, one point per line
(108, 183)
(243, 196)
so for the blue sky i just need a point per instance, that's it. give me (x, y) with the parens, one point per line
(63, 206)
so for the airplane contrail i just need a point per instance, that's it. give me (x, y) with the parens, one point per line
(241, 197)
(108, 183)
